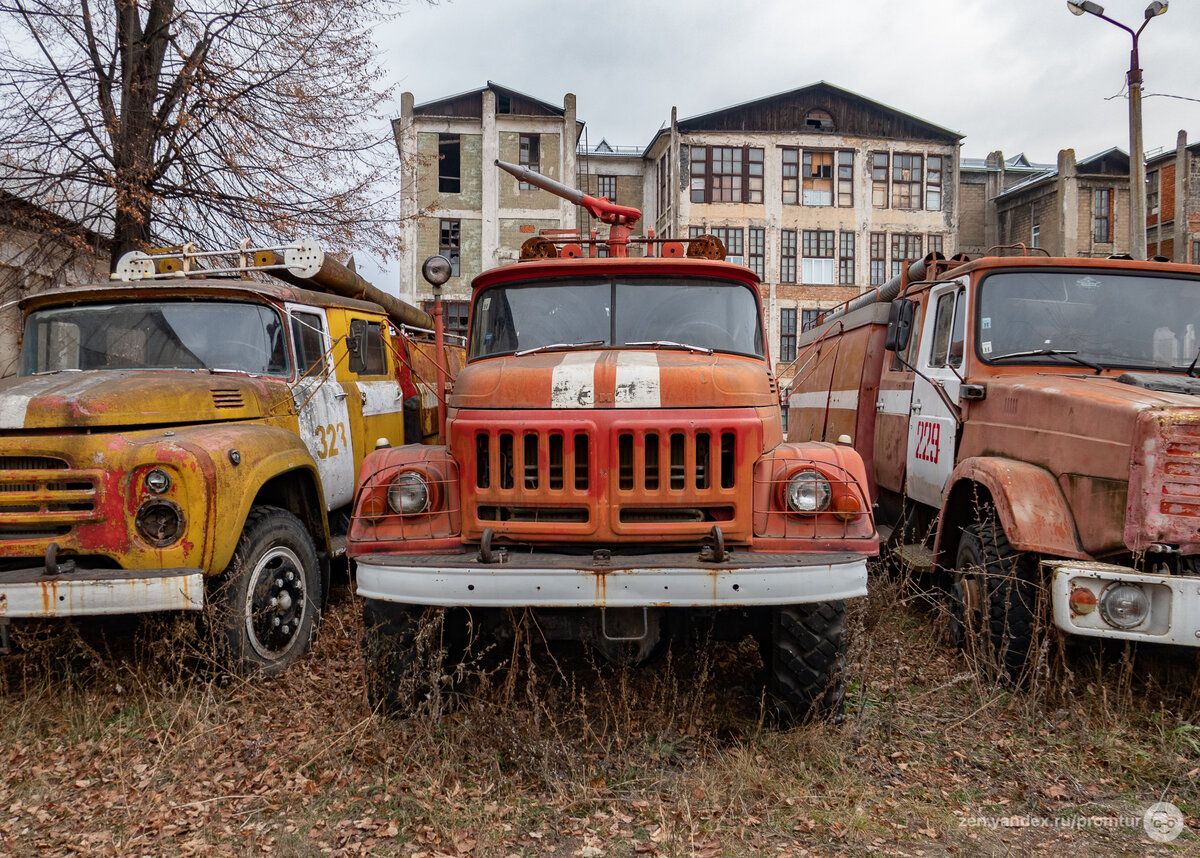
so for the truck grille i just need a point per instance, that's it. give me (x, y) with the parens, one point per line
(546, 479)
(41, 497)
(1181, 469)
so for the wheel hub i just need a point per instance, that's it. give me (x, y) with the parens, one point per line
(275, 607)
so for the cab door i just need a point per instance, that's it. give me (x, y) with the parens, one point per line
(933, 424)
(320, 401)
(378, 408)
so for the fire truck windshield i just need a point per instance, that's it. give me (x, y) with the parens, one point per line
(616, 312)
(1111, 318)
(206, 335)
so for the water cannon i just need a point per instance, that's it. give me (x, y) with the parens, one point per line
(621, 219)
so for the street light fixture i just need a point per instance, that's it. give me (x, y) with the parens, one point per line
(1137, 159)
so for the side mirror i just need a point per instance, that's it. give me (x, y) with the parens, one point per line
(900, 320)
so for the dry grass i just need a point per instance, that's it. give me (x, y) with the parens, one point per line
(152, 752)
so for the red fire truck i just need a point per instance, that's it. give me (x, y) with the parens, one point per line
(615, 464)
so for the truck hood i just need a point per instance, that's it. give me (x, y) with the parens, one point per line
(1069, 423)
(615, 379)
(119, 398)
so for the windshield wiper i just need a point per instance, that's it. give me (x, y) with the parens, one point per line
(669, 344)
(553, 347)
(1069, 354)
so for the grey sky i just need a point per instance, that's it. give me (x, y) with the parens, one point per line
(1017, 75)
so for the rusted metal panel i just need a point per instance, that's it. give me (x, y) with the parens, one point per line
(94, 592)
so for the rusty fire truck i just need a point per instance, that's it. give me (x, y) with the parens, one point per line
(615, 464)
(1031, 425)
(186, 436)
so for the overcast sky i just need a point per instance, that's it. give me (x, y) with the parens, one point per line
(1015, 75)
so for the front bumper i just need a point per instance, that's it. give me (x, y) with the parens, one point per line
(91, 592)
(546, 580)
(1173, 618)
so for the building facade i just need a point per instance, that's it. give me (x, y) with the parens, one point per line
(822, 192)
(457, 203)
(1173, 203)
(981, 181)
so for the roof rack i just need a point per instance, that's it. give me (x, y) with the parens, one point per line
(302, 259)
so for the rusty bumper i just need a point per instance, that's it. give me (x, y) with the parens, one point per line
(91, 592)
(547, 580)
(1173, 602)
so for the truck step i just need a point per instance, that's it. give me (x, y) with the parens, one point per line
(918, 558)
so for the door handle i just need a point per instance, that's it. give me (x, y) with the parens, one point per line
(879, 405)
(916, 408)
(340, 393)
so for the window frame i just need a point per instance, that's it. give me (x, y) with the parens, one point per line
(903, 245)
(448, 246)
(756, 251)
(908, 172)
(881, 165)
(529, 155)
(821, 244)
(445, 179)
(846, 253)
(742, 166)
(934, 182)
(788, 248)
(787, 334)
(1105, 219)
(817, 178)
(609, 180)
(878, 258)
(845, 179)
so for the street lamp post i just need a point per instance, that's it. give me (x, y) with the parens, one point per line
(1137, 159)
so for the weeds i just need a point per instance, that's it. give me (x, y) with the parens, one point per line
(144, 747)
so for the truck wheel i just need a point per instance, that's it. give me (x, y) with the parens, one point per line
(267, 598)
(993, 598)
(407, 649)
(390, 655)
(806, 662)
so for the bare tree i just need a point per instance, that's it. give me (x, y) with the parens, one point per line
(162, 121)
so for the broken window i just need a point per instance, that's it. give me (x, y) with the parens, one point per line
(1102, 214)
(818, 120)
(818, 256)
(809, 319)
(818, 178)
(530, 156)
(449, 243)
(846, 258)
(879, 179)
(454, 315)
(906, 180)
(1152, 193)
(787, 256)
(449, 164)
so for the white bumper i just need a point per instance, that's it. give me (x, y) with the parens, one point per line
(561, 581)
(91, 592)
(1173, 618)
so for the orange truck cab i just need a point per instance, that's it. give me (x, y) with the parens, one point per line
(615, 463)
(1030, 425)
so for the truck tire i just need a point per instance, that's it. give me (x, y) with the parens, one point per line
(389, 646)
(1004, 623)
(806, 662)
(267, 600)
(407, 650)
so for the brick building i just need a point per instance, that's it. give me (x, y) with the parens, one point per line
(1076, 209)
(980, 182)
(1173, 203)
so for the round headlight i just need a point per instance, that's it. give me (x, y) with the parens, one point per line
(157, 481)
(408, 494)
(808, 491)
(1124, 606)
(159, 522)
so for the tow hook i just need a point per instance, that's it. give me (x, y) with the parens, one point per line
(714, 553)
(53, 567)
(486, 554)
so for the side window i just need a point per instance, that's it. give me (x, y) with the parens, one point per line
(307, 330)
(948, 331)
(367, 357)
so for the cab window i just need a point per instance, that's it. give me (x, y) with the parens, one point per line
(949, 326)
(307, 331)
(367, 355)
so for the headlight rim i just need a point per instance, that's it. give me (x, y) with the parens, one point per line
(425, 483)
(824, 491)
